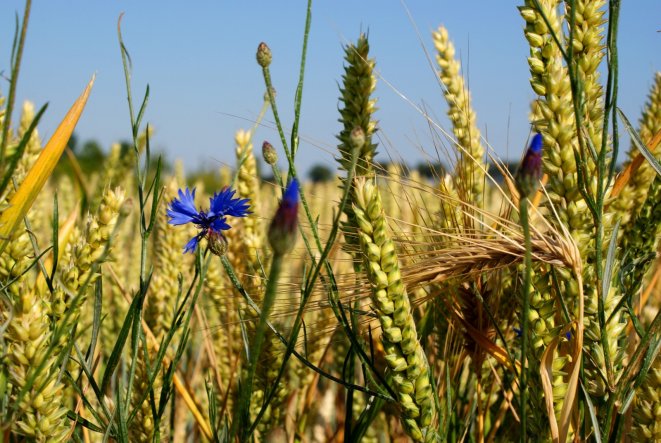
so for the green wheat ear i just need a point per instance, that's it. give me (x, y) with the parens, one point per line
(41, 409)
(168, 263)
(81, 260)
(404, 355)
(358, 83)
(640, 241)
(646, 411)
(553, 117)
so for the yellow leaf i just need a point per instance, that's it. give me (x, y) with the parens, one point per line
(36, 178)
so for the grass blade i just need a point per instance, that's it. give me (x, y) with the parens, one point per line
(638, 143)
(593, 414)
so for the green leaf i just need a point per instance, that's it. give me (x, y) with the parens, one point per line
(638, 143)
(593, 414)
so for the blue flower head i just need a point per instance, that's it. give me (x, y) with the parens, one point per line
(530, 171)
(536, 144)
(282, 232)
(211, 223)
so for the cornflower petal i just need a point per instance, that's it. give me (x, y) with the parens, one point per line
(182, 210)
(220, 224)
(537, 143)
(290, 198)
(191, 246)
(223, 203)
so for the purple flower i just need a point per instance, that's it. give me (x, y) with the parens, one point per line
(282, 232)
(530, 171)
(182, 210)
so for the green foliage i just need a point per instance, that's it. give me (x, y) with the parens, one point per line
(320, 174)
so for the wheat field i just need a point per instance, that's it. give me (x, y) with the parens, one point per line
(476, 303)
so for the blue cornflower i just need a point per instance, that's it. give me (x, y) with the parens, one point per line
(282, 232)
(211, 223)
(530, 170)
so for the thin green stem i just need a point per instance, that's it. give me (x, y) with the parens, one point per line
(299, 89)
(241, 424)
(309, 284)
(603, 178)
(16, 66)
(266, 72)
(290, 157)
(239, 287)
(525, 293)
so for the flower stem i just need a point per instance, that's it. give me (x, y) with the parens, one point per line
(523, 384)
(242, 423)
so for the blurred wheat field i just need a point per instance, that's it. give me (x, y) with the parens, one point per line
(474, 303)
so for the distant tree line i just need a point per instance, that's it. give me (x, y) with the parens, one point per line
(319, 173)
(91, 157)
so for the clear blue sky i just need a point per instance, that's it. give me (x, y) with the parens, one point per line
(200, 64)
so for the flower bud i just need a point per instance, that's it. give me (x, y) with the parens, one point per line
(282, 232)
(530, 170)
(264, 55)
(217, 243)
(269, 153)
